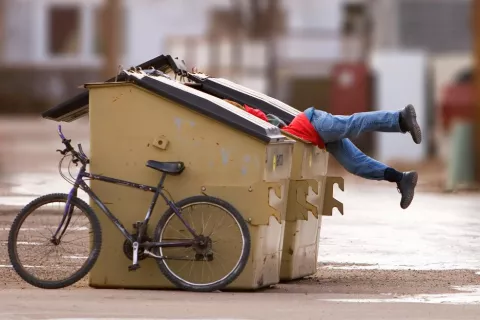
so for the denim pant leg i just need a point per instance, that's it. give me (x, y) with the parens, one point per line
(355, 161)
(333, 128)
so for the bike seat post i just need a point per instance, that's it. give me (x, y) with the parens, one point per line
(155, 198)
(162, 180)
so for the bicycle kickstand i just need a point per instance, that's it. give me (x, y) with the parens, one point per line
(134, 266)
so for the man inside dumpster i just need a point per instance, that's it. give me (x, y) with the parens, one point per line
(333, 133)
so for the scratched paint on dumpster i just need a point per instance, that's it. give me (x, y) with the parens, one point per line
(225, 155)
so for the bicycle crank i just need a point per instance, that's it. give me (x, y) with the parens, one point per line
(128, 248)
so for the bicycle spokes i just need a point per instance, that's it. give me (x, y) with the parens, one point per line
(216, 250)
(46, 255)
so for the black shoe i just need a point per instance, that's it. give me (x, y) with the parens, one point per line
(407, 188)
(408, 123)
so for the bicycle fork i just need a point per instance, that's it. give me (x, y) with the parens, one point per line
(67, 215)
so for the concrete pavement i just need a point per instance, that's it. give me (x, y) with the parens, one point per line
(377, 262)
(119, 304)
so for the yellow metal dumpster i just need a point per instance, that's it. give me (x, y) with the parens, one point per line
(310, 192)
(307, 202)
(227, 153)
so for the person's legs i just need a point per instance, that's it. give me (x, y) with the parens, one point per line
(358, 163)
(355, 161)
(333, 127)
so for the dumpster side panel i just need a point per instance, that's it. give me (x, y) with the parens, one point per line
(306, 187)
(127, 125)
(300, 251)
(304, 210)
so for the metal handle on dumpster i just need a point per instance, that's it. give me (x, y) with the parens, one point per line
(305, 201)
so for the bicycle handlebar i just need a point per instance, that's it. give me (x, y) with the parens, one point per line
(78, 156)
(81, 151)
(60, 132)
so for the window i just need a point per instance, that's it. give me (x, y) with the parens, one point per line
(436, 26)
(64, 30)
(355, 19)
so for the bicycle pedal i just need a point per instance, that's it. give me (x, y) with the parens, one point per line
(133, 267)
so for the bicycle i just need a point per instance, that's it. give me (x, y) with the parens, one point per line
(201, 247)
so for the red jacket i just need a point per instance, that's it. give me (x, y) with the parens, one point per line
(300, 127)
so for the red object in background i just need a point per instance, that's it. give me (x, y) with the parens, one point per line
(457, 102)
(351, 92)
(350, 89)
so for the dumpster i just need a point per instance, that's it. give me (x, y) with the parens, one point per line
(227, 152)
(310, 191)
(77, 106)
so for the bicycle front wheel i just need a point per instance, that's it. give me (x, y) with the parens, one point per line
(218, 256)
(42, 257)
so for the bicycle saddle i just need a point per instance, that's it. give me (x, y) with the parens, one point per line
(173, 168)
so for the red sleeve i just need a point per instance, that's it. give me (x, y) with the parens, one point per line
(256, 112)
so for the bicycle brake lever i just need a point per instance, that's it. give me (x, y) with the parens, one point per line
(63, 152)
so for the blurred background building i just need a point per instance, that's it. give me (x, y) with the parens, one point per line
(342, 56)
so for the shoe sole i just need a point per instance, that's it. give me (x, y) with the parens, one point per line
(416, 132)
(408, 198)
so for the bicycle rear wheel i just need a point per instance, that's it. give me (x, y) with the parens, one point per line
(215, 261)
(31, 245)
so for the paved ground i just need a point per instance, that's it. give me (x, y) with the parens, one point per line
(376, 262)
(89, 304)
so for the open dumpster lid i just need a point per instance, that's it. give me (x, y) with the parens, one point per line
(77, 106)
(206, 104)
(230, 90)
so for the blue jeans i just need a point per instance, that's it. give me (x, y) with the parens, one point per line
(335, 131)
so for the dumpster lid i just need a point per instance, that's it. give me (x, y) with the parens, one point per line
(77, 106)
(205, 104)
(230, 90)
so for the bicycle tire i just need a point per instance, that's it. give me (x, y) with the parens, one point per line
(237, 270)
(80, 273)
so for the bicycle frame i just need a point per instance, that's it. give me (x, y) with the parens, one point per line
(80, 183)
